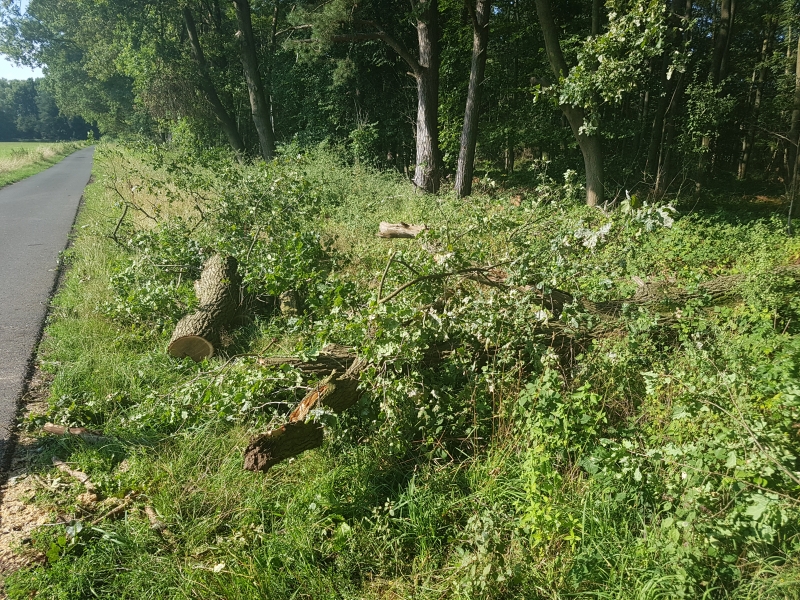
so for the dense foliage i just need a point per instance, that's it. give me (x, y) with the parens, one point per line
(654, 455)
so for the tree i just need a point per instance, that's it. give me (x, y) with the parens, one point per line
(479, 17)
(260, 106)
(363, 20)
(589, 143)
(206, 84)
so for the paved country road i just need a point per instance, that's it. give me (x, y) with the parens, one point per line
(36, 216)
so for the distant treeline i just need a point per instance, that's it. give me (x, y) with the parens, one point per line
(28, 111)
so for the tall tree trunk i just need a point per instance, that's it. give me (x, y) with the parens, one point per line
(590, 145)
(469, 133)
(657, 133)
(206, 85)
(721, 41)
(719, 61)
(427, 173)
(759, 77)
(259, 107)
(794, 131)
(596, 4)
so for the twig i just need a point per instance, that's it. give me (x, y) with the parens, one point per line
(85, 434)
(437, 276)
(119, 224)
(113, 512)
(383, 277)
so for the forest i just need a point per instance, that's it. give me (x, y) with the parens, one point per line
(442, 299)
(29, 112)
(633, 95)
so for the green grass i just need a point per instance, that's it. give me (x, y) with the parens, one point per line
(649, 463)
(19, 160)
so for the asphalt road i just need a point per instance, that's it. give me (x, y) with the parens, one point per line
(36, 217)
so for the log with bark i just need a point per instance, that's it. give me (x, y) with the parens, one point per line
(336, 393)
(219, 293)
(399, 230)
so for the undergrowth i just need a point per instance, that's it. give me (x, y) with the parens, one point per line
(654, 454)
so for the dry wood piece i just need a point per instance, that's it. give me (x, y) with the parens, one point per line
(332, 358)
(218, 291)
(156, 524)
(399, 230)
(79, 475)
(88, 435)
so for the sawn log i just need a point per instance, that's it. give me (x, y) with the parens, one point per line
(218, 290)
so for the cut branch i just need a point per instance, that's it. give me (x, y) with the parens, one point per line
(87, 435)
(399, 230)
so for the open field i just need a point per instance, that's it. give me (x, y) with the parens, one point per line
(637, 441)
(19, 160)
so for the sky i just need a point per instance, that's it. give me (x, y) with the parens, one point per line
(10, 71)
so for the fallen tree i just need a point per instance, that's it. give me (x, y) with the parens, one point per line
(219, 293)
(340, 389)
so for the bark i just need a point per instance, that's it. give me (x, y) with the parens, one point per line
(469, 133)
(206, 85)
(794, 131)
(425, 69)
(590, 145)
(259, 106)
(759, 77)
(399, 230)
(427, 174)
(218, 292)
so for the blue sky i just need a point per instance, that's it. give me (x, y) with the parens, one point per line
(10, 71)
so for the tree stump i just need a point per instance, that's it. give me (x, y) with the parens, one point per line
(218, 291)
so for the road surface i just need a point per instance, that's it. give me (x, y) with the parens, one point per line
(36, 217)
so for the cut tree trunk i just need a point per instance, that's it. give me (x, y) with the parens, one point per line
(218, 291)
(336, 393)
(399, 230)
